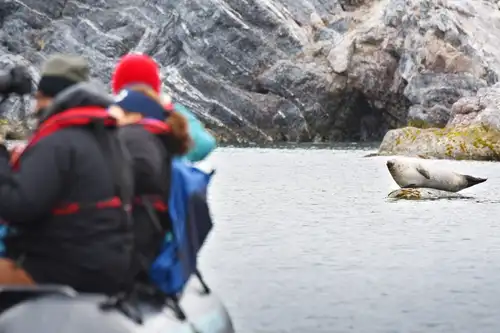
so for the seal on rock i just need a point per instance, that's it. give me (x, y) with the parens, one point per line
(410, 174)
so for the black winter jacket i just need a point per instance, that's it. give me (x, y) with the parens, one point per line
(152, 167)
(90, 250)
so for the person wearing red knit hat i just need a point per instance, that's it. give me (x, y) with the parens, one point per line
(135, 68)
(153, 136)
(157, 137)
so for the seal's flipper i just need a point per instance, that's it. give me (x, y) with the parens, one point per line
(424, 172)
(471, 181)
(410, 186)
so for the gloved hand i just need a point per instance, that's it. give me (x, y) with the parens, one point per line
(20, 81)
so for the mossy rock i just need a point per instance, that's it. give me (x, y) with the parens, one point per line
(476, 142)
(422, 194)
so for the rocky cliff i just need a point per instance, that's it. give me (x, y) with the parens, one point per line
(463, 119)
(279, 70)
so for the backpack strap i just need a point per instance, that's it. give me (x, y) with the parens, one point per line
(116, 154)
(206, 289)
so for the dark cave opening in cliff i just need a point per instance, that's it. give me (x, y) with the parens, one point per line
(258, 88)
(365, 123)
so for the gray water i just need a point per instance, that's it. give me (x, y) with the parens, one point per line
(305, 241)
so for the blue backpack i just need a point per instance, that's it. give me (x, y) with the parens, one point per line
(191, 224)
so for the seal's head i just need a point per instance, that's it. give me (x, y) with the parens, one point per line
(398, 168)
(391, 165)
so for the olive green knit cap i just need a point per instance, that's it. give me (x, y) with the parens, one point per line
(70, 67)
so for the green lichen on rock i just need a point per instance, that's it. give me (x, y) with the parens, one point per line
(476, 142)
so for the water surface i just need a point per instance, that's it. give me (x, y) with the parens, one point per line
(305, 241)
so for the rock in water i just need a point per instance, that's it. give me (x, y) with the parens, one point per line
(475, 142)
(423, 194)
(279, 70)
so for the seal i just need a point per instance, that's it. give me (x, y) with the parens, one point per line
(411, 174)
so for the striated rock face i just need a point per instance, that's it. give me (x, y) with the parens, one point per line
(279, 70)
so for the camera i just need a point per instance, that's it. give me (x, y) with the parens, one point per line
(16, 81)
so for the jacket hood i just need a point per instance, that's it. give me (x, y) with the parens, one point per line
(78, 95)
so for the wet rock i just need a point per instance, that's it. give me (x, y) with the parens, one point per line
(278, 70)
(422, 194)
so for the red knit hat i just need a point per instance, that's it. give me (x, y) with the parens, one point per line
(136, 69)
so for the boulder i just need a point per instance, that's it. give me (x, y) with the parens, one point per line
(478, 142)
